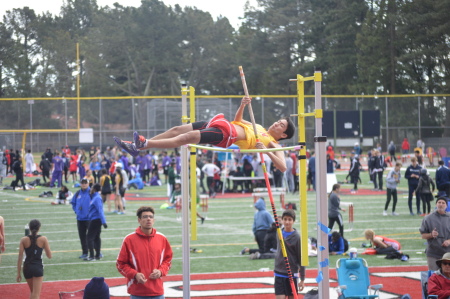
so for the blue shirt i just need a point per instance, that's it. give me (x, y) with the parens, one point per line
(96, 208)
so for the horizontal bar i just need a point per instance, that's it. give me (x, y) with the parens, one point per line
(237, 150)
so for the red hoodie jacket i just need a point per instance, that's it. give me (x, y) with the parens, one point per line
(141, 254)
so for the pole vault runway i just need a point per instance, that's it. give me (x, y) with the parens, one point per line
(396, 281)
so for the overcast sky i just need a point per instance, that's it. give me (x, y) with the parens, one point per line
(232, 9)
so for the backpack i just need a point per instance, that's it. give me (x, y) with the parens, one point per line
(106, 188)
(312, 294)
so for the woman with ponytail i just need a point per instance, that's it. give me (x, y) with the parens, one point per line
(334, 208)
(33, 269)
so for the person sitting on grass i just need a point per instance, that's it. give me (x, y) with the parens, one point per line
(336, 244)
(221, 133)
(382, 244)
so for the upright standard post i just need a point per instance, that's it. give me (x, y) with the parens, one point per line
(302, 171)
(323, 277)
(193, 168)
(185, 203)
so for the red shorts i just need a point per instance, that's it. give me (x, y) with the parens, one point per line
(218, 131)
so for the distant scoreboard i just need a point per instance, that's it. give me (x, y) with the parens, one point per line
(348, 123)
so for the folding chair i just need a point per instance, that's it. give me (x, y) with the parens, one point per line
(71, 295)
(424, 276)
(354, 280)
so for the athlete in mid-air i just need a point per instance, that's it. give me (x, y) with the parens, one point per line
(221, 133)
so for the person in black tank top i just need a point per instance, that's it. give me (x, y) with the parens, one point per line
(33, 269)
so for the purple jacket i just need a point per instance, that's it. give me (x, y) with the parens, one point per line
(124, 160)
(58, 163)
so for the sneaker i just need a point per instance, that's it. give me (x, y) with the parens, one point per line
(384, 213)
(419, 213)
(243, 251)
(83, 256)
(254, 256)
(127, 146)
(423, 215)
(89, 259)
(203, 219)
(97, 258)
(395, 214)
(411, 213)
(120, 213)
(139, 140)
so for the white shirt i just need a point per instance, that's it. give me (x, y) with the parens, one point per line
(210, 169)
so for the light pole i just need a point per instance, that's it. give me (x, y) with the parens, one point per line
(31, 102)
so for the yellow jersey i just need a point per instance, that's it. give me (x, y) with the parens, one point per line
(250, 141)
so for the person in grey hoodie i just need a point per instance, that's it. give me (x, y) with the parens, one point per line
(262, 221)
(392, 180)
(425, 188)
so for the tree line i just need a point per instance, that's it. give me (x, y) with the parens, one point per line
(361, 47)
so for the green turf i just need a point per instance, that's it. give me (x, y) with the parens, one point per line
(225, 232)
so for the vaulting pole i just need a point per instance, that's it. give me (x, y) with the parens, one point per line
(269, 190)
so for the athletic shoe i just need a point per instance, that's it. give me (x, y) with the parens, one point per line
(423, 215)
(419, 213)
(254, 256)
(139, 140)
(120, 213)
(89, 259)
(127, 146)
(203, 219)
(243, 251)
(395, 214)
(101, 255)
(384, 213)
(411, 213)
(83, 256)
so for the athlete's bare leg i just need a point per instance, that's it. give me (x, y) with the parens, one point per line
(178, 139)
(174, 131)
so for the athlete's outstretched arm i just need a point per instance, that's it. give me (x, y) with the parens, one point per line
(277, 158)
(240, 112)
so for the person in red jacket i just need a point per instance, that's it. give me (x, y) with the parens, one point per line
(145, 256)
(439, 282)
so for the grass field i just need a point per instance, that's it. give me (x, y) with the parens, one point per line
(225, 232)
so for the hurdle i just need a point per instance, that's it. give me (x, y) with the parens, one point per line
(350, 214)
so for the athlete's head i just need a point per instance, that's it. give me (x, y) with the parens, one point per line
(290, 129)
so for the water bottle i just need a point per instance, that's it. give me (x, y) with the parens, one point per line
(353, 253)
(27, 230)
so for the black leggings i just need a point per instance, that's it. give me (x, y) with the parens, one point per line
(339, 221)
(93, 237)
(390, 192)
(208, 135)
(426, 199)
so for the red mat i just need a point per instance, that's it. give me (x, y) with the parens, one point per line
(396, 281)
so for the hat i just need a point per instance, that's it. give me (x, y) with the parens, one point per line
(423, 171)
(443, 199)
(445, 257)
(84, 181)
(441, 194)
(96, 289)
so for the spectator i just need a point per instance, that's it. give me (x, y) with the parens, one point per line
(66, 162)
(405, 146)
(106, 184)
(33, 269)
(425, 189)
(331, 164)
(354, 171)
(80, 205)
(435, 229)
(165, 163)
(262, 221)
(247, 168)
(443, 178)
(392, 181)
(439, 282)
(73, 167)
(383, 245)
(119, 192)
(96, 220)
(210, 169)
(63, 194)
(333, 209)
(90, 177)
(45, 168)
(292, 240)
(2, 237)
(145, 256)
(136, 183)
(18, 169)
(412, 174)
(3, 166)
(95, 167)
(29, 162)
(312, 170)
(270, 245)
(391, 150)
(336, 243)
(357, 149)
(96, 289)
(57, 170)
(378, 166)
